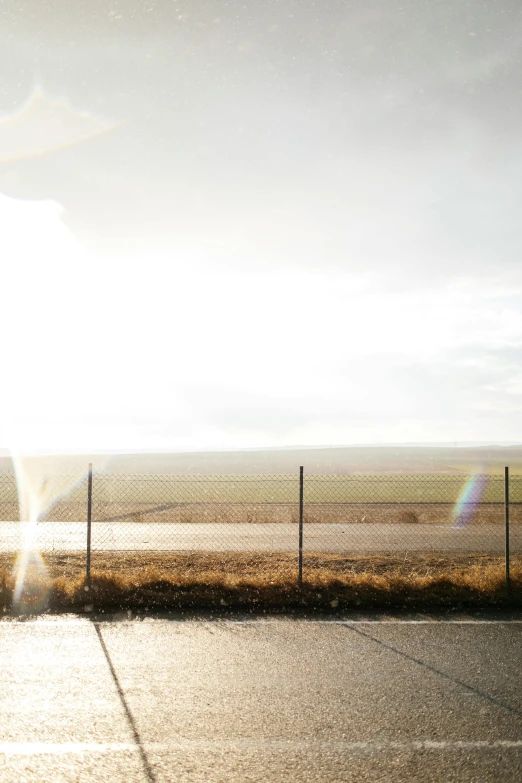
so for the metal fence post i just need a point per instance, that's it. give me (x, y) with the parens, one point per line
(89, 520)
(301, 493)
(506, 510)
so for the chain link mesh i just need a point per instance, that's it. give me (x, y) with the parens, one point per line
(60, 525)
(353, 516)
(400, 516)
(225, 524)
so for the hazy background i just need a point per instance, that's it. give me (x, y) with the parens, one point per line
(236, 224)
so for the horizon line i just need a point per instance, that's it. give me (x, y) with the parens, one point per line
(4, 452)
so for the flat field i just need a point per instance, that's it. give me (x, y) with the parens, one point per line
(421, 498)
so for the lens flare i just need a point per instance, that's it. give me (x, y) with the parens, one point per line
(32, 580)
(469, 499)
(37, 495)
(32, 583)
(45, 125)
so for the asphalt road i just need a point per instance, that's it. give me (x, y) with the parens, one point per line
(267, 537)
(260, 700)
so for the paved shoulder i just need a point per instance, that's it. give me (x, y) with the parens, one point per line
(259, 700)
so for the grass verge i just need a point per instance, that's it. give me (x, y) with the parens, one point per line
(263, 583)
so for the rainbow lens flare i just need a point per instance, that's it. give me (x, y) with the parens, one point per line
(469, 499)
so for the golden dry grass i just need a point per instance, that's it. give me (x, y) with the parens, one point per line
(267, 583)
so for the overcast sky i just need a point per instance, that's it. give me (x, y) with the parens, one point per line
(260, 223)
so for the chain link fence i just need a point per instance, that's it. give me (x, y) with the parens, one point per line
(355, 517)
(243, 523)
(420, 513)
(59, 506)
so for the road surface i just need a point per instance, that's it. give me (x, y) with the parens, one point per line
(267, 537)
(260, 700)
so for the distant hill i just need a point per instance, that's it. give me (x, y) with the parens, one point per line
(321, 460)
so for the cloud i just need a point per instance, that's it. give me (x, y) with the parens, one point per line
(343, 136)
(106, 355)
(304, 228)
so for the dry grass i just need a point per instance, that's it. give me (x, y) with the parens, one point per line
(199, 582)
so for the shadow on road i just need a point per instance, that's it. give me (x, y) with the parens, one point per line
(130, 719)
(448, 677)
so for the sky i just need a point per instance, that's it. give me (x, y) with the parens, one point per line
(243, 224)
